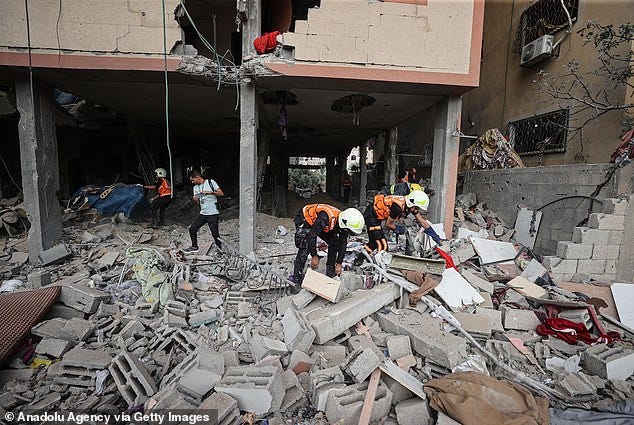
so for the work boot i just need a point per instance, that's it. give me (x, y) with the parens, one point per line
(297, 284)
(359, 259)
(191, 250)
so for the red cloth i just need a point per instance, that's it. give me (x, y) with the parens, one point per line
(572, 332)
(448, 260)
(266, 42)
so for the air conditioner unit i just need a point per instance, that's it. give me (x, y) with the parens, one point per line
(537, 50)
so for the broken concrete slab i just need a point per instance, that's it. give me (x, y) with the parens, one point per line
(428, 339)
(83, 298)
(300, 362)
(413, 412)
(478, 325)
(491, 251)
(53, 347)
(298, 333)
(262, 346)
(107, 260)
(344, 405)
(225, 406)
(322, 382)
(334, 319)
(399, 346)
(522, 320)
(455, 291)
(302, 299)
(526, 287)
(323, 286)
(73, 329)
(361, 363)
(494, 316)
(329, 355)
(403, 378)
(478, 282)
(203, 318)
(54, 255)
(534, 270)
(89, 359)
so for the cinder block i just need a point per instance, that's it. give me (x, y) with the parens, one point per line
(262, 346)
(298, 333)
(574, 251)
(132, 379)
(54, 255)
(523, 320)
(606, 221)
(53, 347)
(611, 267)
(616, 237)
(591, 267)
(344, 405)
(609, 363)
(197, 374)
(224, 405)
(322, 382)
(561, 266)
(427, 337)
(83, 298)
(615, 206)
(361, 363)
(605, 252)
(256, 389)
(583, 235)
(399, 346)
(414, 411)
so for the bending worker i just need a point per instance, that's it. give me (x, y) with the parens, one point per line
(390, 208)
(162, 199)
(331, 225)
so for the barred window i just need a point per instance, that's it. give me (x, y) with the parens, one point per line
(427, 156)
(545, 17)
(540, 134)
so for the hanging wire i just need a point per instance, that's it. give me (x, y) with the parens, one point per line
(167, 113)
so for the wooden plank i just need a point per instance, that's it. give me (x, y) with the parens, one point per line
(366, 412)
(594, 291)
(403, 378)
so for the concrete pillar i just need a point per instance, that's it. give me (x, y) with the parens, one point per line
(330, 176)
(390, 157)
(279, 174)
(248, 135)
(40, 170)
(363, 175)
(444, 173)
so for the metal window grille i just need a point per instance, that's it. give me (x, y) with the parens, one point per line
(546, 133)
(427, 155)
(545, 17)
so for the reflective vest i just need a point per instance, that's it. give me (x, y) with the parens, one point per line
(164, 188)
(311, 212)
(410, 188)
(382, 205)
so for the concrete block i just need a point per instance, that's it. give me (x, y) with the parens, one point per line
(560, 266)
(494, 316)
(231, 358)
(262, 346)
(615, 206)
(578, 384)
(428, 339)
(609, 363)
(176, 308)
(616, 237)
(170, 398)
(605, 252)
(584, 235)
(300, 362)
(132, 379)
(73, 329)
(298, 333)
(83, 298)
(89, 359)
(294, 391)
(611, 267)
(334, 319)
(284, 303)
(475, 324)
(134, 327)
(591, 267)
(399, 391)
(323, 286)
(606, 221)
(322, 382)
(329, 355)
(54, 255)
(63, 312)
(344, 405)
(53, 347)
(197, 374)
(522, 320)
(414, 411)
(203, 318)
(246, 309)
(399, 346)
(574, 251)
(225, 406)
(361, 363)
(302, 299)
(38, 279)
(256, 389)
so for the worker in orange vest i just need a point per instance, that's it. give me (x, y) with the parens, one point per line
(162, 199)
(333, 227)
(390, 208)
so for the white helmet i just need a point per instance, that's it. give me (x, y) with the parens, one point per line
(417, 198)
(352, 219)
(160, 172)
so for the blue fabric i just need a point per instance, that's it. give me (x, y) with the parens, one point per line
(432, 233)
(130, 200)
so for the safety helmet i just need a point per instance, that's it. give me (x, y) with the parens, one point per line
(414, 186)
(160, 172)
(417, 198)
(352, 219)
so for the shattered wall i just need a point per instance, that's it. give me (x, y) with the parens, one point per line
(122, 26)
(504, 190)
(435, 37)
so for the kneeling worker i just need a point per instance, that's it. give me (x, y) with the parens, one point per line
(390, 208)
(331, 225)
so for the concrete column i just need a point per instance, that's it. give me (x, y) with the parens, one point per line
(444, 173)
(363, 175)
(248, 166)
(390, 157)
(40, 170)
(330, 176)
(279, 173)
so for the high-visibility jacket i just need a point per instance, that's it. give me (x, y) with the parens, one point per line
(311, 212)
(164, 188)
(383, 203)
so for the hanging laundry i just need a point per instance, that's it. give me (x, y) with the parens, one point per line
(266, 42)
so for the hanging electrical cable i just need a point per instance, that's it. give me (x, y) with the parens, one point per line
(167, 111)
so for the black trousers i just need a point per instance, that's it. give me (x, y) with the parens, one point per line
(377, 240)
(302, 254)
(158, 205)
(346, 194)
(200, 221)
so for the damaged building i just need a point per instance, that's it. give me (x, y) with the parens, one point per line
(525, 296)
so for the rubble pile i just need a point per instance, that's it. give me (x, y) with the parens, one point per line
(472, 218)
(141, 327)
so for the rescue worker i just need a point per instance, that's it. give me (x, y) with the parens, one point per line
(390, 208)
(331, 225)
(162, 199)
(401, 189)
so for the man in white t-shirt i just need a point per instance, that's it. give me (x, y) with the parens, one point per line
(205, 194)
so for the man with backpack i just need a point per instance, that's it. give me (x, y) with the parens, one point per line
(205, 194)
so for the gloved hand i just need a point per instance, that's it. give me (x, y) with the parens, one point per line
(400, 230)
(432, 234)
(338, 269)
(314, 262)
(139, 184)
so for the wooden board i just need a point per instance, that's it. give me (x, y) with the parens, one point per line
(368, 402)
(602, 292)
